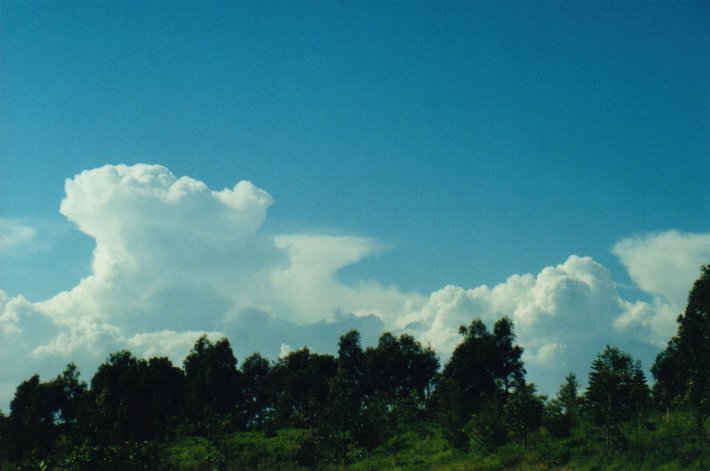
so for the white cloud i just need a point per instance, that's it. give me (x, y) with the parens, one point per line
(14, 234)
(664, 265)
(562, 316)
(174, 259)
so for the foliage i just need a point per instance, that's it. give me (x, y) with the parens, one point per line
(523, 412)
(211, 383)
(694, 332)
(617, 391)
(477, 379)
(562, 412)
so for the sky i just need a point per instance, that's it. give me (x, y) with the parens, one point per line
(281, 172)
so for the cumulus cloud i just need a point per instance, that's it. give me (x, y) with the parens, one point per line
(174, 259)
(562, 315)
(663, 265)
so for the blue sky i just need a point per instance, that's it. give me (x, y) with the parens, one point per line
(460, 142)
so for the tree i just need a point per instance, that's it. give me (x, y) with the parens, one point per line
(477, 380)
(345, 414)
(164, 391)
(694, 348)
(563, 411)
(483, 366)
(135, 399)
(523, 412)
(301, 381)
(399, 367)
(509, 370)
(212, 383)
(32, 425)
(670, 374)
(257, 390)
(72, 394)
(617, 391)
(4, 441)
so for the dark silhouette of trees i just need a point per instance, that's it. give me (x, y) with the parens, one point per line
(617, 391)
(670, 374)
(32, 425)
(301, 383)
(477, 380)
(523, 411)
(398, 369)
(212, 385)
(41, 411)
(257, 391)
(682, 370)
(133, 399)
(562, 412)
(694, 347)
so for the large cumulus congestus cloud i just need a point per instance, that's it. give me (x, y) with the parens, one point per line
(174, 259)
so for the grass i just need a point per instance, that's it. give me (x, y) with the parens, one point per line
(660, 443)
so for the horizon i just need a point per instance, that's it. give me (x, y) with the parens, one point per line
(280, 174)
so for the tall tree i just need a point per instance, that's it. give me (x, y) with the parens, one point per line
(483, 366)
(670, 374)
(32, 425)
(523, 412)
(301, 381)
(509, 371)
(212, 383)
(694, 348)
(72, 393)
(617, 391)
(477, 379)
(563, 411)
(257, 390)
(134, 399)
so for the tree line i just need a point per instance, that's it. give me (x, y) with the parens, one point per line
(357, 399)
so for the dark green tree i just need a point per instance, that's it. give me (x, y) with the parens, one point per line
(133, 399)
(398, 378)
(34, 412)
(212, 385)
(72, 394)
(617, 391)
(4, 440)
(257, 391)
(301, 382)
(670, 374)
(509, 370)
(562, 412)
(164, 385)
(694, 349)
(398, 368)
(346, 409)
(476, 380)
(523, 412)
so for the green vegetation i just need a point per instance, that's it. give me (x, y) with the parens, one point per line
(389, 406)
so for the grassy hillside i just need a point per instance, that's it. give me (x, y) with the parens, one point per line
(663, 442)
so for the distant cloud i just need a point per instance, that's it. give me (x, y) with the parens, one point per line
(664, 265)
(174, 259)
(14, 234)
(562, 316)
